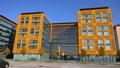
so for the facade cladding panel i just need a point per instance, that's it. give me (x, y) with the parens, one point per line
(7, 33)
(65, 37)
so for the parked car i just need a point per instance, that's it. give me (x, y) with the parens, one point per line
(3, 64)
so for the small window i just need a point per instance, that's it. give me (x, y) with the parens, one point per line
(37, 32)
(27, 21)
(32, 32)
(22, 21)
(33, 47)
(23, 30)
(98, 18)
(33, 41)
(36, 18)
(104, 17)
(23, 43)
(18, 44)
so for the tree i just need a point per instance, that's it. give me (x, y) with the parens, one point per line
(59, 52)
(23, 51)
(83, 53)
(41, 51)
(6, 51)
(101, 52)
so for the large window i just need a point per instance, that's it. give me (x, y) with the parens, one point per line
(103, 30)
(86, 18)
(101, 17)
(34, 32)
(87, 30)
(88, 44)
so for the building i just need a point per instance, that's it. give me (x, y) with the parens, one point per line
(33, 35)
(7, 33)
(95, 30)
(117, 36)
(65, 36)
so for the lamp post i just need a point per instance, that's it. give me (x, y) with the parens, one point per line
(63, 55)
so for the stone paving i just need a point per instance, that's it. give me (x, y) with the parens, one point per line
(36, 64)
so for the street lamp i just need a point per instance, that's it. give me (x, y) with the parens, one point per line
(63, 55)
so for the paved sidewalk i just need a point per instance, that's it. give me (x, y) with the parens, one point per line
(19, 64)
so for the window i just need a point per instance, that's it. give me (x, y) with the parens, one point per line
(103, 30)
(84, 31)
(88, 41)
(102, 27)
(22, 21)
(98, 19)
(23, 43)
(108, 46)
(33, 47)
(88, 47)
(23, 30)
(37, 32)
(100, 43)
(33, 41)
(91, 47)
(104, 16)
(90, 30)
(86, 18)
(27, 20)
(18, 44)
(36, 18)
(85, 47)
(32, 32)
(35, 23)
(22, 35)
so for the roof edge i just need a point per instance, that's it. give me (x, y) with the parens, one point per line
(32, 13)
(94, 8)
(8, 19)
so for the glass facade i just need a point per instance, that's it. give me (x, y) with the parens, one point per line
(7, 33)
(65, 37)
(46, 36)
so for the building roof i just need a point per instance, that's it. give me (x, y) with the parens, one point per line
(94, 8)
(32, 13)
(8, 19)
(117, 25)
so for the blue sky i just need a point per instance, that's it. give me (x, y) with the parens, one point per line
(56, 10)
